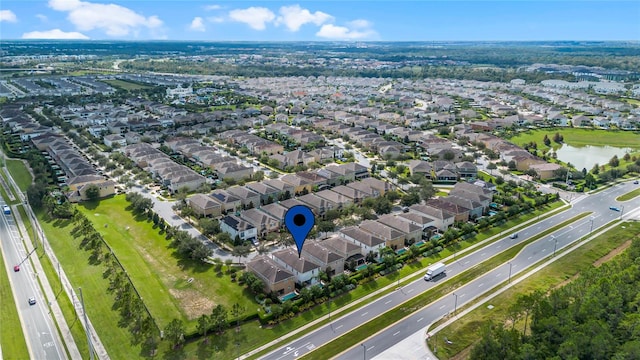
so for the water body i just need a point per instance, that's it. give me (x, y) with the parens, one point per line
(589, 155)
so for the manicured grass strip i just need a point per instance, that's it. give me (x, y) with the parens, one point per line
(465, 331)
(580, 137)
(98, 302)
(407, 308)
(11, 336)
(630, 195)
(19, 173)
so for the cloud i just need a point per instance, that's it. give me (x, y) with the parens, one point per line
(255, 17)
(212, 7)
(54, 34)
(293, 17)
(42, 17)
(215, 19)
(330, 31)
(7, 15)
(197, 24)
(360, 24)
(114, 20)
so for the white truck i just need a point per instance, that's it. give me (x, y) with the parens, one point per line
(434, 270)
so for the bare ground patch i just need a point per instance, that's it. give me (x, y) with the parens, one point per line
(612, 253)
(192, 302)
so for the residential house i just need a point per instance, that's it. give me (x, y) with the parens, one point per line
(79, 185)
(338, 200)
(114, 139)
(317, 204)
(343, 247)
(368, 242)
(475, 208)
(274, 210)
(300, 185)
(461, 213)
(443, 219)
(227, 201)
(263, 222)
(393, 238)
(276, 279)
(248, 198)
(365, 190)
(229, 170)
(204, 205)
(381, 186)
(266, 192)
(285, 190)
(412, 232)
(238, 228)
(326, 257)
(305, 270)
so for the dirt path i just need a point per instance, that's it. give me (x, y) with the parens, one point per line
(612, 253)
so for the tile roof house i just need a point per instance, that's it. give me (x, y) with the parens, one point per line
(335, 198)
(393, 238)
(284, 188)
(368, 242)
(204, 205)
(235, 226)
(342, 246)
(229, 202)
(443, 218)
(276, 279)
(267, 193)
(381, 186)
(356, 196)
(412, 232)
(299, 184)
(248, 198)
(274, 210)
(330, 261)
(461, 213)
(263, 222)
(317, 204)
(475, 208)
(305, 270)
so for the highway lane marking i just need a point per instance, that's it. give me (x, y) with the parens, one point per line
(461, 295)
(396, 333)
(498, 274)
(543, 250)
(481, 285)
(388, 302)
(441, 307)
(410, 290)
(420, 319)
(483, 254)
(338, 327)
(364, 313)
(466, 262)
(529, 258)
(499, 246)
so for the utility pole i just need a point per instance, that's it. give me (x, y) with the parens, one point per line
(510, 272)
(86, 323)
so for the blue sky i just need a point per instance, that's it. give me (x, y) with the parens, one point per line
(320, 20)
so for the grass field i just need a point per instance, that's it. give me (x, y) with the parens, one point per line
(126, 85)
(581, 137)
(19, 173)
(464, 332)
(11, 336)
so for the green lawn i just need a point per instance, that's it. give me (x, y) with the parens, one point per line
(126, 85)
(11, 336)
(464, 332)
(19, 173)
(581, 137)
(628, 196)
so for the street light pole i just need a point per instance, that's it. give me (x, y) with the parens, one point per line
(621, 212)
(86, 324)
(510, 272)
(555, 244)
(364, 353)
(591, 229)
(455, 304)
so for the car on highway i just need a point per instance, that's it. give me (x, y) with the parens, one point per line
(32, 301)
(614, 208)
(636, 182)
(16, 268)
(513, 236)
(6, 209)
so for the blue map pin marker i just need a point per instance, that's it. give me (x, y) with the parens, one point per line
(299, 220)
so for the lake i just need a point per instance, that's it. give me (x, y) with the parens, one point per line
(589, 155)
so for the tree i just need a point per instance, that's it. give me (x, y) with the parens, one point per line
(174, 332)
(236, 311)
(546, 140)
(240, 251)
(219, 318)
(92, 192)
(512, 165)
(326, 226)
(491, 166)
(204, 323)
(614, 162)
(209, 226)
(382, 206)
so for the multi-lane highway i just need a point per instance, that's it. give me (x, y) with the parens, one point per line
(41, 335)
(598, 204)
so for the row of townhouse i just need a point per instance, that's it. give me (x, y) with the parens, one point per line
(283, 270)
(71, 168)
(443, 171)
(169, 173)
(255, 144)
(225, 167)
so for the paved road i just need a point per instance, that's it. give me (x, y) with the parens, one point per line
(41, 335)
(598, 203)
